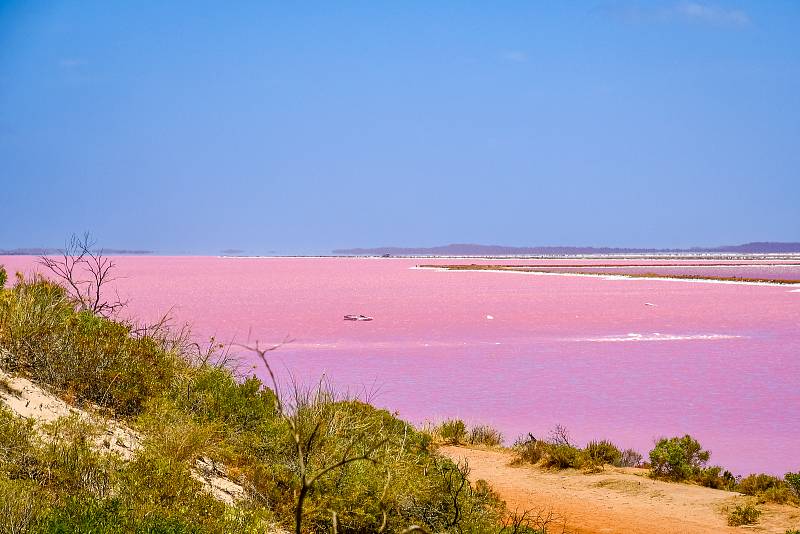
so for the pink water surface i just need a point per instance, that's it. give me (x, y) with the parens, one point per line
(629, 360)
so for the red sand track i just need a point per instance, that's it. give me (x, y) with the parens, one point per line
(616, 501)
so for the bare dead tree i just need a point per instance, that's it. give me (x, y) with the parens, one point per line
(86, 273)
(530, 522)
(560, 436)
(304, 441)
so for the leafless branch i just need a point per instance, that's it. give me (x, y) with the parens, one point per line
(86, 273)
(305, 441)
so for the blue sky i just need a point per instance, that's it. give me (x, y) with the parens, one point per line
(303, 127)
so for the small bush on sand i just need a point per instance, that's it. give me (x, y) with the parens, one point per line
(603, 452)
(715, 477)
(677, 458)
(793, 481)
(767, 488)
(485, 435)
(529, 450)
(452, 431)
(779, 495)
(746, 514)
(630, 458)
(757, 483)
(563, 457)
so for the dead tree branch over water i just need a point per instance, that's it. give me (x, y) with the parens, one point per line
(86, 273)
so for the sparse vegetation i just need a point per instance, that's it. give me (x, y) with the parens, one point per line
(768, 488)
(746, 514)
(485, 435)
(630, 458)
(452, 431)
(717, 478)
(558, 452)
(793, 481)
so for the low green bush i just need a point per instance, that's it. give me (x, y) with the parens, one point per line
(21, 505)
(778, 495)
(677, 458)
(3, 276)
(603, 452)
(485, 435)
(757, 483)
(793, 481)
(452, 431)
(717, 478)
(528, 449)
(746, 514)
(107, 516)
(562, 457)
(767, 488)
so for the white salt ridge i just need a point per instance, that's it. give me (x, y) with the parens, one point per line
(655, 336)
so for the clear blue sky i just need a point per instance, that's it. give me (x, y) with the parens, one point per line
(302, 127)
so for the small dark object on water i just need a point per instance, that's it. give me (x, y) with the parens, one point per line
(357, 318)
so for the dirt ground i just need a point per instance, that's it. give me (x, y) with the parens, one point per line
(616, 500)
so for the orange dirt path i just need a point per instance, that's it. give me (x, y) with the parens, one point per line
(617, 500)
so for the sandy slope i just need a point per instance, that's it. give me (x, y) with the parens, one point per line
(616, 500)
(27, 399)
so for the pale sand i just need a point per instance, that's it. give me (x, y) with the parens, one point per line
(26, 399)
(617, 500)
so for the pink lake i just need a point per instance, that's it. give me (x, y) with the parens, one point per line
(625, 359)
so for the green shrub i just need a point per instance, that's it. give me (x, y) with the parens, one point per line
(529, 450)
(211, 393)
(562, 457)
(3, 276)
(18, 446)
(485, 435)
(767, 488)
(677, 458)
(109, 516)
(452, 431)
(70, 462)
(715, 477)
(746, 514)
(603, 452)
(778, 494)
(20, 505)
(793, 481)
(757, 483)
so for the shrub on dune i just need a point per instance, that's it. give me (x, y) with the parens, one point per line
(452, 431)
(603, 452)
(485, 435)
(678, 458)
